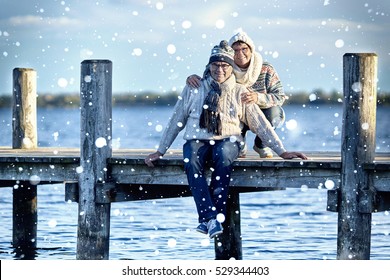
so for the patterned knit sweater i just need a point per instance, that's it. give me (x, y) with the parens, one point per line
(233, 113)
(268, 87)
(262, 78)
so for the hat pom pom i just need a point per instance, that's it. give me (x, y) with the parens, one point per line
(224, 44)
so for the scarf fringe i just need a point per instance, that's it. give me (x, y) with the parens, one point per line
(210, 118)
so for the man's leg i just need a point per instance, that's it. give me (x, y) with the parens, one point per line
(224, 154)
(196, 153)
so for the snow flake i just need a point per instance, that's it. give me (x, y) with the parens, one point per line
(101, 142)
(339, 43)
(172, 243)
(336, 131)
(220, 217)
(291, 124)
(220, 24)
(255, 215)
(205, 242)
(55, 135)
(304, 188)
(357, 87)
(159, 128)
(35, 179)
(186, 24)
(171, 48)
(52, 223)
(329, 184)
(87, 79)
(365, 126)
(159, 6)
(137, 52)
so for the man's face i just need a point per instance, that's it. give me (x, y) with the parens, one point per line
(242, 54)
(220, 71)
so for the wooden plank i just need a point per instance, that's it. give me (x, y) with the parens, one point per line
(126, 166)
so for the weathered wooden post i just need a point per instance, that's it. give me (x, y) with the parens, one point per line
(229, 244)
(24, 136)
(95, 147)
(358, 147)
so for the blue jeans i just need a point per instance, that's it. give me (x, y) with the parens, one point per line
(218, 157)
(275, 115)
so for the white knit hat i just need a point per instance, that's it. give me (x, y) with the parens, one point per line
(242, 37)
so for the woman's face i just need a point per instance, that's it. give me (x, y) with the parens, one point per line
(242, 54)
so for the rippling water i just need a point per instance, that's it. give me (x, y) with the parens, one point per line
(279, 225)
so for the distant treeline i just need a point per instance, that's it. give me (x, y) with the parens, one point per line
(129, 99)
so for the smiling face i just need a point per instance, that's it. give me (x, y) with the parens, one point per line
(242, 54)
(220, 71)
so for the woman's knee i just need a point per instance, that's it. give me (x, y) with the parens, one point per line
(275, 115)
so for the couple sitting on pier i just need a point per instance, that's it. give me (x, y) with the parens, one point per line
(214, 115)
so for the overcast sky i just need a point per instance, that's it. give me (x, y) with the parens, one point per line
(155, 45)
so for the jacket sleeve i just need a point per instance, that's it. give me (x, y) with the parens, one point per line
(176, 122)
(269, 88)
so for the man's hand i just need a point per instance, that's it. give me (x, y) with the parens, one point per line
(291, 155)
(153, 157)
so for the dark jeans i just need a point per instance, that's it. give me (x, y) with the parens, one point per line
(275, 115)
(218, 157)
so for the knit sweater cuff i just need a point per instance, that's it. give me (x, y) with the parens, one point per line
(261, 100)
(279, 150)
(162, 150)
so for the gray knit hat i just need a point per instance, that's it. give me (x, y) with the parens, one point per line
(222, 52)
(242, 37)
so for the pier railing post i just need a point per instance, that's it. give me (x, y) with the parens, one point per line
(228, 245)
(95, 147)
(24, 136)
(358, 147)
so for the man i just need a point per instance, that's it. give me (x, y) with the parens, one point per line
(213, 116)
(262, 82)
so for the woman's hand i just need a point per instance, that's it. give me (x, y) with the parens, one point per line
(249, 97)
(193, 81)
(153, 157)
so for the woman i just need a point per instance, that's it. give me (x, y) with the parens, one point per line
(263, 84)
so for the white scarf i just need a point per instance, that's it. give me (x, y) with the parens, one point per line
(249, 76)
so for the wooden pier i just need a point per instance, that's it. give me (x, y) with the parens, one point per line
(357, 178)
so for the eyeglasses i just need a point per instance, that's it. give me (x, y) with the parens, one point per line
(244, 50)
(224, 66)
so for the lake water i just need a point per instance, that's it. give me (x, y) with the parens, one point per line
(277, 225)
